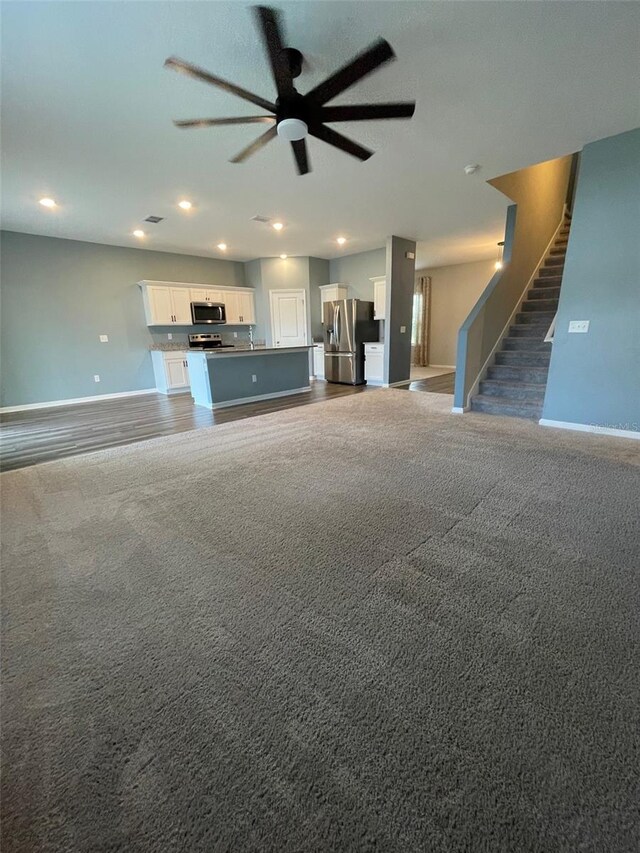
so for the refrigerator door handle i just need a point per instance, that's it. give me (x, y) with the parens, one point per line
(338, 331)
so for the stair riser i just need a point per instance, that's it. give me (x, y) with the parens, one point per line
(555, 272)
(512, 392)
(554, 262)
(544, 293)
(518, 344)
(535, 375)
(535, 318)
(523, 358)
(531, 331)
(544, 283)
(495, 407)
(541, 305)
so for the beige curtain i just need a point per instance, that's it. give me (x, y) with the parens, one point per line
(420, 326)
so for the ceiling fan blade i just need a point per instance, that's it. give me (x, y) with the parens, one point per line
(256, 145)
(366, 112)
(200, 74)
(215, 122)
(269, 21)
(363, 64)
(302, 158)
(326, 134)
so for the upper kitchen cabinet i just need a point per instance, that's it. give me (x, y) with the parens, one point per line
(166, 306)
(169, 303)
(331, 292)
(206, 294)
(379, 297)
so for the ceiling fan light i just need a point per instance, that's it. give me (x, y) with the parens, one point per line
(292, 129)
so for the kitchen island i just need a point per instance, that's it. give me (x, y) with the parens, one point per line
(227, 377)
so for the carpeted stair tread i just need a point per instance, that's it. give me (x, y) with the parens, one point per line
(520, 344)
(506, 406)
(532, 391)
(518, 372)
(523, 357)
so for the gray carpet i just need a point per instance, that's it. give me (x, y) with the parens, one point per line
(361, 625)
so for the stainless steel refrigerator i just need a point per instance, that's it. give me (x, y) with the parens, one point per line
(347, 324)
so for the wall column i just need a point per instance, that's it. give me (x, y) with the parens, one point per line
(401, 272)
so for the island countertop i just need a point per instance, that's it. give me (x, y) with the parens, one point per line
(222, 351)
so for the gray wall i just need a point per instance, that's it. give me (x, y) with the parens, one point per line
(356, 270)
(594, 378)
(455, 289)
(400, 272)
(58, 296)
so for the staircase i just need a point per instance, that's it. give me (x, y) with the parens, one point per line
(516, 381)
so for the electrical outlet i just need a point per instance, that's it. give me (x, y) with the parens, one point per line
(235, 334)
(578, 326)
(96, 378)
(254, 378)
(169, 336)
(403, 329)
(104, 339)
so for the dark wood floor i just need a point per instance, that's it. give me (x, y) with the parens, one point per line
(442, 384)
(41, 435)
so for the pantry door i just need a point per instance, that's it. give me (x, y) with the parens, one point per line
(288, 318)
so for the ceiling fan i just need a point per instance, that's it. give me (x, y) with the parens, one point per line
(294, 116)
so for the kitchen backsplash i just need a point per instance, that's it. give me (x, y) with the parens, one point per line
(180, 340)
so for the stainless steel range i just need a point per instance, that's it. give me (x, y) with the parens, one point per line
(207, 341)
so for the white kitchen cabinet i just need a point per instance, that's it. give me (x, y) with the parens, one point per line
(318, 361)
(168, 303)
(167, 306)
(246, 307)
(379, 297)
(206, 294)
(374, 363)
(171, 371)
(239, 306)
(331, 292)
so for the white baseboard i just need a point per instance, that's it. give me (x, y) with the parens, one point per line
(258, 397)
(439, 366)
(592, 428)
(51, 404)
(460, 410)
(395, 384)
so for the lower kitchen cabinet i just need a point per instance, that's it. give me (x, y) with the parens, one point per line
(374, 364)
(171, 371)
(318, 361)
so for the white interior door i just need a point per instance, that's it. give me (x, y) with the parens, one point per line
(288, 318)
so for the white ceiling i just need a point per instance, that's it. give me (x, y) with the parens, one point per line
(87, 109)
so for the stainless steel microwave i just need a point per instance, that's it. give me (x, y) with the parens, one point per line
(208, 312)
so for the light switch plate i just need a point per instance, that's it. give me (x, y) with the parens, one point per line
(104, 339)
(254, 378)
(96, 378)
(403, 329)
(578, 326)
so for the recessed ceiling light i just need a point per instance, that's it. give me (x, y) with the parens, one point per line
(47, 202)
(184, 204)
(138, 233)
(222, 247)
(284, 257)
(341, 241)
(278, 226)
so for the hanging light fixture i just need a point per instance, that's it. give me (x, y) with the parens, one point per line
(499, 263)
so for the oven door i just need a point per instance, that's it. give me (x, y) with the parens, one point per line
(208, 313)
